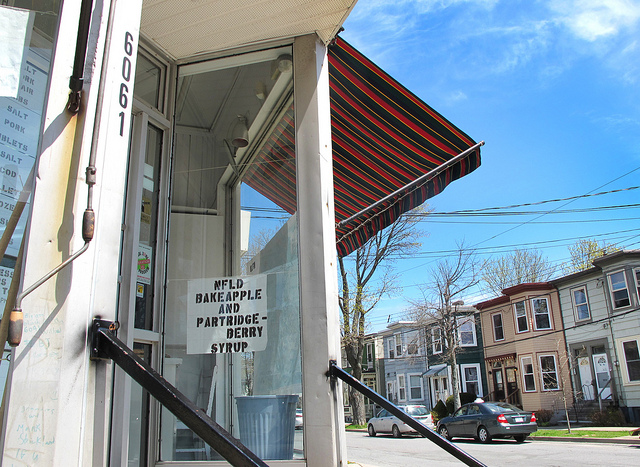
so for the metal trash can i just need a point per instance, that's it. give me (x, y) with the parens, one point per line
(267, 424)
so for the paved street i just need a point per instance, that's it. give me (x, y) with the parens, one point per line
(385, 451)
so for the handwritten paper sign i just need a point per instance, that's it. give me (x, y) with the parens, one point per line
(227, 315)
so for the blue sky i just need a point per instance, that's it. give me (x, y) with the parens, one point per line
(551, 86)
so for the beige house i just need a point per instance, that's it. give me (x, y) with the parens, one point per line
(524, 346)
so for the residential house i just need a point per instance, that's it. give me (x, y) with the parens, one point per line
(372, 372)
(405, 364)
(470, 357)
(600, 310)
(524, 347)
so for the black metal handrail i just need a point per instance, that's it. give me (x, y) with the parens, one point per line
(105, 345)
(336, 372)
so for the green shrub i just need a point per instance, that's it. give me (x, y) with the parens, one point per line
(439, 412)
(543, 416)
(609, 417)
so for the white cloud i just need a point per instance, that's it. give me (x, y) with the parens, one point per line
(456, 96)
(591, 20)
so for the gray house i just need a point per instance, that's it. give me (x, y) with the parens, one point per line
(600, 311)
(405, 364)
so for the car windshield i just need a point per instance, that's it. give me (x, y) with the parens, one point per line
(416, 411)
(501, 407)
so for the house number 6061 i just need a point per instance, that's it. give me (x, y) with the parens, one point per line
(123, 98)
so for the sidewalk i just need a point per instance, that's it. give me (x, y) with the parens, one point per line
(629, 439)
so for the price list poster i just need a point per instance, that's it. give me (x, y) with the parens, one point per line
(22, 94)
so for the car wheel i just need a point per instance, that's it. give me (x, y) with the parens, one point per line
(371, 430)
(519, 438)
(396, 431)
(483, 435)
(444, 433)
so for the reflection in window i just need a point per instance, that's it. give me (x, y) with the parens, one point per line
(233, 223)
(522, 324)
(581, 305)
(436, 340)
(527, 374)
(149, 82)
(498, 330)
(549, 372)
(467, 331)
(619, 292)
(632, 359)
(541, 316)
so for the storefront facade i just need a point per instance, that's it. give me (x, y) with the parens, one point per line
(194, 253)
(185, 195)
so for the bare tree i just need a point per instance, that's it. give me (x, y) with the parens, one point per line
(451, 279)
(514, 268)
(363, 285)
(584, 251)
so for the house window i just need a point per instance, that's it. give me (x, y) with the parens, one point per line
(402, 388)
(467, 331)
(580, 304)
(391, 348)
(436, 340)
(528, 377)
(541, 317)
(412, 347)
(632, 359)
(619, 291)
(522, 324)
(398, 344)
(636, 274)
(498, 330)
(390, 391)
(415, 387)
(369, 347)
(549, 373)
(471, 378)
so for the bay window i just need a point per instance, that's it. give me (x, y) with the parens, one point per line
(522, 323)
(541, 316)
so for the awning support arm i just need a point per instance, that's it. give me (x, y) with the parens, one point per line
(105, 345)
(336, 372)
(417, 182)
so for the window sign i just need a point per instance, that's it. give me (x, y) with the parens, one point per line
(145, 267)
(24, 75)
(5, 281)
(227, 315)
(15, 32)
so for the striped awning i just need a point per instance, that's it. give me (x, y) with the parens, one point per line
(384, 138)
(387, 145)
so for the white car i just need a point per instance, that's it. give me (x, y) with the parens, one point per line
(385, 422)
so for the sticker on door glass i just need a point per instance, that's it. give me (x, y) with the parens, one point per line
(227, 315)
(145, 253)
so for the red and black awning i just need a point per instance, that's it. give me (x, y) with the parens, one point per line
(384, 138)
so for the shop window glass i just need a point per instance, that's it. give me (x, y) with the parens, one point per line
(232, 324)
(28, 41)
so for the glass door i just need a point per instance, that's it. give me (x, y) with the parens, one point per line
(603, 376)
(141, 297)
